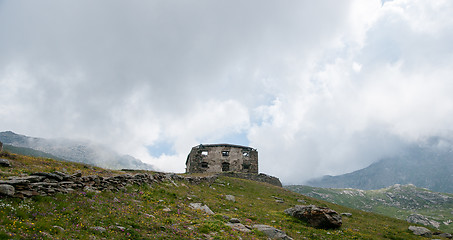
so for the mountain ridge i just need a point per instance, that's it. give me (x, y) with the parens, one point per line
(428, 164)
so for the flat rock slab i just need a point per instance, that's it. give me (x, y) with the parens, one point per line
(6, 189)
(421, 231)
(230, 198)
(272, 232)
(239, 227)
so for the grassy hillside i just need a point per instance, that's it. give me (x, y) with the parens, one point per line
(397, 201)
(161, 211)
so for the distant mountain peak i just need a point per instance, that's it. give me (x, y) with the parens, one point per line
(427, 163)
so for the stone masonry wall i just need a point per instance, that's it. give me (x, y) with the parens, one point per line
(216, 158)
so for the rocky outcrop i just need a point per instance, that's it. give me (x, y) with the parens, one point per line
(318, 217)
(420, 219)
(420, 231)
(255, 177)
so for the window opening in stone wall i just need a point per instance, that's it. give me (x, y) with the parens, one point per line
(204, 153)
(246, 166)
(204, 165)
(225, 167)
(245, 154)
(225, 153)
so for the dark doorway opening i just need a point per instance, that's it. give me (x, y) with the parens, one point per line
(225, 167)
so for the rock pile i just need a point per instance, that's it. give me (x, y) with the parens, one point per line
(318, 217)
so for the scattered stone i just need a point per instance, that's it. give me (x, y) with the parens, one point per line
(149, 215)
(238, 227)
(346, 214)
(420, 219)
(60, 229)
(301, 201)
(235, 220)
(318, 217)
(99, 229)
(272, 232)
(166, 209)
(421, 231)
(279, 201)
(230, 198)
(200, 206)
(4, 163)
(121, 228)
(6, 189)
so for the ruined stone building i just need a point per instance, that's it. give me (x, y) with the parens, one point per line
(212, 158)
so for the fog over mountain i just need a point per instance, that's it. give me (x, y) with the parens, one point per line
(427, 164)
(76, 151)
(318, 87)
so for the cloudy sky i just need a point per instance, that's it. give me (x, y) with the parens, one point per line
(318, 87)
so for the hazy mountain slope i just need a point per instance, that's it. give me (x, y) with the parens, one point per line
(76, 151)
(428, 165)
(397, 201)
(29, 152)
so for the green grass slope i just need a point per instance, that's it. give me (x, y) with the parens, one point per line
(397, 201)
(161, 211)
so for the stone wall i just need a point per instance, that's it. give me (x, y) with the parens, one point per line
(43, 183)
(255, 177)
(216, 158)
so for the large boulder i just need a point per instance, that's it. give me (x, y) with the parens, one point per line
(317, 217)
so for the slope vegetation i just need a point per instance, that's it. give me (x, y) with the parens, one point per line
(399, 201)
(162, 211)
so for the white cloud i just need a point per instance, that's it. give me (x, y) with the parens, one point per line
(319, 87)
